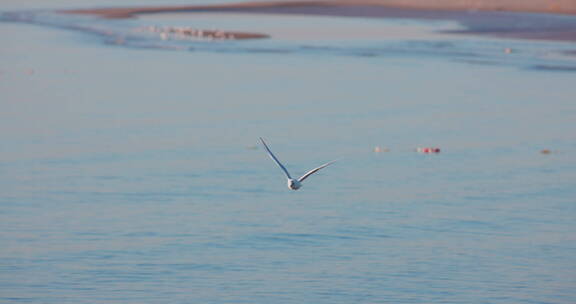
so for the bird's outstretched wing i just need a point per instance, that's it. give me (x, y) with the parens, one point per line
(275, 159)
(314, 171)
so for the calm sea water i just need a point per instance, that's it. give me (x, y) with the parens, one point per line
(134, 175)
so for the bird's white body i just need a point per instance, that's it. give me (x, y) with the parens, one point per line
(293, 184)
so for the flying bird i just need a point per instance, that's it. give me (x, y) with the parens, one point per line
(293, 184)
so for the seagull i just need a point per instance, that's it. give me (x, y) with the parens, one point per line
(293, 184)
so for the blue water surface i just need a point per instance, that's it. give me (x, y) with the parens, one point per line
(134, 175)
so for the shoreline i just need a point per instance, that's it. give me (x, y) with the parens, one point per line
(566, 7)
(528, 19)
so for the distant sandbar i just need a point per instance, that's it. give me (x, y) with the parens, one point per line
(492, 17)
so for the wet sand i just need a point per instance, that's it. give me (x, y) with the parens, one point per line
(495, 18)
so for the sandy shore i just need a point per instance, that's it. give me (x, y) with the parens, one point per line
(492, 17)
(536, 6)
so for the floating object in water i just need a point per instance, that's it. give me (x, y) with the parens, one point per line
(545, 151)
(508, 50)
(293, 184)
(379, 149)
(428, 150)
(119, 40)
